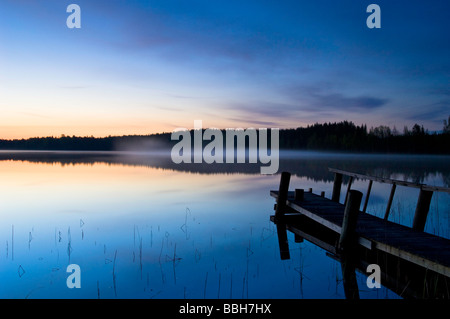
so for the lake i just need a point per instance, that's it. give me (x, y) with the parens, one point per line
(140, 226)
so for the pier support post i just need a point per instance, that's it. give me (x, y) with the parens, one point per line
(349, 186)
(283, 241)
(299, 194)
(389, 204)
(348, 268)
(298, 238)
(336, 187)
(422, 208)
(282, 195)
(347, 237)
(366, 201)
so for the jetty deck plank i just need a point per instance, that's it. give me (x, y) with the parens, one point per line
(421, 248)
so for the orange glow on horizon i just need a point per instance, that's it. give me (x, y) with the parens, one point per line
(10, 132)
(25, 132)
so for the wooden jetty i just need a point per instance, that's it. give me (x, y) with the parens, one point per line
(345, 230)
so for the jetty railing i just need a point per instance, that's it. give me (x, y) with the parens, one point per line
(423, 203)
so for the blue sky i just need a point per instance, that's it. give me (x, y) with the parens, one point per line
(138, 67)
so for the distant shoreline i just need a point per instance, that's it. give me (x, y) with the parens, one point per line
(342, 137)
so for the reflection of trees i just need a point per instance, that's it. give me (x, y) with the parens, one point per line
(412, 168)
(446, 179)
(311, 165)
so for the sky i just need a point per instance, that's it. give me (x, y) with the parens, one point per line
(142, 67)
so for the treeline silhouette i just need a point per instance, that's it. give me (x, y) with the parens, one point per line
(342, 136)
(346, 136)
(77, 143)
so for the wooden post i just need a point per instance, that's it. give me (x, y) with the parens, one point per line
(347, 237)
(422, 208)
(351, 289)
(298, 238)
(283, 241)
(282, 195)
(391, 197)
(366, 201)
(298, 195)
(322, 194)
(336, 187)
(310, 190)
(350, 181)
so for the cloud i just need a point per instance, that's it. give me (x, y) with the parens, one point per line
(305, 104)
(313, 98)
(434, 112)
(253, 122)
(214, 36)
(273, 114)
(339, 101)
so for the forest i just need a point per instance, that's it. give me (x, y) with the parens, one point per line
(340, 136)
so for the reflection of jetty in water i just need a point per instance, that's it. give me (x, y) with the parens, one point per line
(413, 264)
(312, 165)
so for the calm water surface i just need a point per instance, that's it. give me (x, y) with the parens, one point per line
(140, 226)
